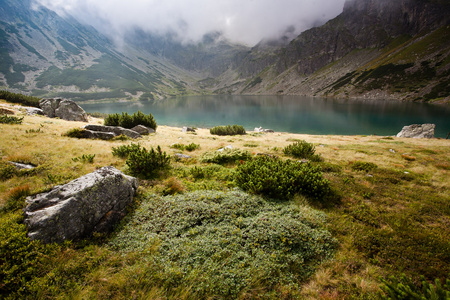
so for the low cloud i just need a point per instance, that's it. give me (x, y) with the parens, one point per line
(244, 21)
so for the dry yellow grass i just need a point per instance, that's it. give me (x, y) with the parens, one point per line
(54, 152)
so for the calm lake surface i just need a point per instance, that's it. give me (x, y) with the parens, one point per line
(295, 114)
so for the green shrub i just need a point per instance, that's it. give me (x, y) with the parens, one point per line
(75, 133)
(124, 150)
(221, 244)
(191, 147)
(146, 163)
(85, 158)
(20, 259)
(177, 146)
(228, 130)
(19, 98)
(225, 156)
(280, 179)
(5, 119)
(404, 288)
(363, 166)
(7, 170)
(302, 149)
(127, 121)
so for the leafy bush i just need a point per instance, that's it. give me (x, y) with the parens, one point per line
(20, 259)
(280, 179)
(224, 243)
(124, 150)
(5, 119)
(228, 130)
(85, 158)
(363, 166)
(191, 147)
(75, 133)
(7, 170)
(146, 163)
(127, 121)
(405, 288)
(225, 156)
(177, 146)
(302, 149)
(19, 98)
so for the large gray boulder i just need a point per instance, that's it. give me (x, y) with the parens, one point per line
(418, 131)
(144, 130)
(63, 109)
(91, 203)
(116, 130)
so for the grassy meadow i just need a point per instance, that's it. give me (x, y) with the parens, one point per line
(388, 215)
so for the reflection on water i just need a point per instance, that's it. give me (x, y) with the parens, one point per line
(296, 114)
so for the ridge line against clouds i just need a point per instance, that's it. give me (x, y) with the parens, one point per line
(243, 21)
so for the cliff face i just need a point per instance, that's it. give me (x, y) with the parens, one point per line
(367, 35)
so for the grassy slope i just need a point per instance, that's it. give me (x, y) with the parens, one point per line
(391, 220)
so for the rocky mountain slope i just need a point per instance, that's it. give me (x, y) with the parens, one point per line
(374, 49)
(395, 49)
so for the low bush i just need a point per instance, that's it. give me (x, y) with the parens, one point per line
(85, 158)
(228, 130)
(124, 150)
(280, 179)
(225, 156)
(75, 133)
(5, 119)
(147, 163)
(223, 244)
(363, 166)
(7, 170)
(127, 121)
(19, 98)
(191, 147)
(404, 288)
(302, 149)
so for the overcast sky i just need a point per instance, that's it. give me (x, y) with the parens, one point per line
(244, 21)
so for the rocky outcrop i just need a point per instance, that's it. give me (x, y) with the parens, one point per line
(63, 109)
(108, 132)
(418, 131)
(92, 203)
(144, 130)
(187, 129)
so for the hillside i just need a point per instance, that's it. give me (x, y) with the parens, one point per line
(376, 49)
(387, 213)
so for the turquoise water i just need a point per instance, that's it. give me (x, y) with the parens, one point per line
(295, 114)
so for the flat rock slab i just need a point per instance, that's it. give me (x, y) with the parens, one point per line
(116, 130)
(92, 203)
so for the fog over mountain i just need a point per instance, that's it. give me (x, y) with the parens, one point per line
(243, 21)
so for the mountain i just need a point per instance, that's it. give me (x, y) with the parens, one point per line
(374, 49)
(384, 49)
(48, 55)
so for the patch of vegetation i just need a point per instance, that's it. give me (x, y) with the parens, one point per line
(302, 149)
(5, 119)
(225, 244)
(363, 166)
(85, 158)
(124, 150)
(75, 133)
(127, 121)
(191, 147)
(7, 170)
(275, 178)
(19, 98)
(405, 288)
(225, 156)
(228, 130)
(147, 163)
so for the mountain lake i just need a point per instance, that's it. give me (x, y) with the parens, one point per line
(294, 114)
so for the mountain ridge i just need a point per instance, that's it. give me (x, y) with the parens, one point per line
(368, 51)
